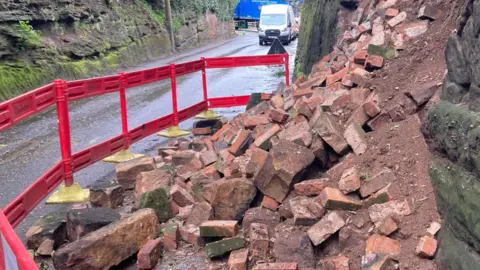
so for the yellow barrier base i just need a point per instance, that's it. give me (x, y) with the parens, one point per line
(208, 115)
(174, 132)
(123, 156)
(71, 194)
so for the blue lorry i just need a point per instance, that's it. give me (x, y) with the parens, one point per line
(248, 11)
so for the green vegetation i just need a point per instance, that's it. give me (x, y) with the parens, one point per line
(178, 21)
(14, 79)
(222, 8)
(28, 38)
(158, 15)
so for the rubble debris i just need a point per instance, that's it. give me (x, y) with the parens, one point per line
(306, 210)
(434, 228)
(334, 199)
(218, 248)
(310, 187)
(293, 245)
(110, 195)
(377, 182)
(328, 225)
(428, 12)
(259, 240)
(387, 226)
(349, 181)
(335, 263)
(149, 254)
(116, 241)
(52, 226)
(231, 198)
(219, 228)
(200, 213)
(377, 244)
(171, 235)
(83, 221)
(276, 266)
(427, 247)
(238, 259)
(127, 172)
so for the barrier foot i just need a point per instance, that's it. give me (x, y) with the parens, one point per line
(123, 156)
(71, 194)
(173, 132)
(209, 114)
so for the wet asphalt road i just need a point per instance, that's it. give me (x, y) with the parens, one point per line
(29, 149)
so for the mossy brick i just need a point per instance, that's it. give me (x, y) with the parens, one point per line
(159, 201)
(170, 228)
(224, 246)
(375, 50)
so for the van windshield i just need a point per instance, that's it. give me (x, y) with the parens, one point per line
(273, 19)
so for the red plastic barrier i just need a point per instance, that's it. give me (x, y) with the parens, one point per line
(146, 76)
(15, 110)
(245, 61)
(226, 102)
(13, 254)
(19, 208)
(92, 87)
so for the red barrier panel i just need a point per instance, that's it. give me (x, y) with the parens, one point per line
(226, 102)
(15, 110)
(92, 87)
(97, 152)
(189, 67)
(19, 208)
(151, 127)
(245, 61)
(146, 76)
(13, 254)
(193, 110)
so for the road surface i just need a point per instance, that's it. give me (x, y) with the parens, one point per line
(29, 149)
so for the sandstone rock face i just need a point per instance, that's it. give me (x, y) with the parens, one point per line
(283, 166)
(117, 242)
(231, 198)
(452, 133)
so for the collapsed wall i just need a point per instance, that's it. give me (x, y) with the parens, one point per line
(452, 129)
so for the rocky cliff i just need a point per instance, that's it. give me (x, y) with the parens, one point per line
(41, 40)
(453, 133)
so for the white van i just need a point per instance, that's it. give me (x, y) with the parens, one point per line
(277, 21)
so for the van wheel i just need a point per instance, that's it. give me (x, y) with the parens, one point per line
(260, 42)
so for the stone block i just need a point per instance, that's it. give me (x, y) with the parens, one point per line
(218, 248)
(219, 228)
(328, 225)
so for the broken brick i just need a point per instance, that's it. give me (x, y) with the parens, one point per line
(387, 226)
(319, 150)
(277, 102)
(337, 76)
(306, 210)
(278, 115)
(350, 181)
(374, 61)
(371, 107)
(426, 247)
(397, 19)
(303, 93)
(251, 121)
(241, 143)
(328, 225)
(220, 132)
(379, 121)
(391, 12)
(415, 29)
(360, 57)
(428, 12)
(218, 248)
(356, 138)
(238, 259)
(257, 158)
(219, 228)
(191, 234)
(334, 263)
(347, 80)
(377, 244)
(270, 203)
(377, 182)
(276, 266)
(149, 254)
(171, 236)
(379, 197)
(259, 240)
(329, 130)
(181, 196)
(334, 199)
(265, 137)
(208, 157)
(310, 187)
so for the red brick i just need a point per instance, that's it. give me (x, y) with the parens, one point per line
(241, 142)
(341, 102)
(360, 57)
(232, 171)
(347, 80)
(387, 226)
(316, 80)
(300, 79)
(397, 19)
(278, 115)
(371, 107)
(191, 234)
(426, 247)
(365, 27)
(277, 102)
(238, 259)
(374, 61)
(266, 96)
(149, 254)
(208, 157)
(174, 206)
(377, 182)
(391, 12)
(313, 102)
(259, 240)
(337, 76)
(251, 121)
(181, 196)
(334, 199)
(359, 117)
(219, 228)
(270, 203)
(257, 158)
(379, 197)
(202, 131)
(171, 236)
(334, 263)
(378, 244)
(310, 187)
(303, 93)
(356, 138)
(326, 227)
(350, 181)
(272, 131)
(220, 132)
(276, 266)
